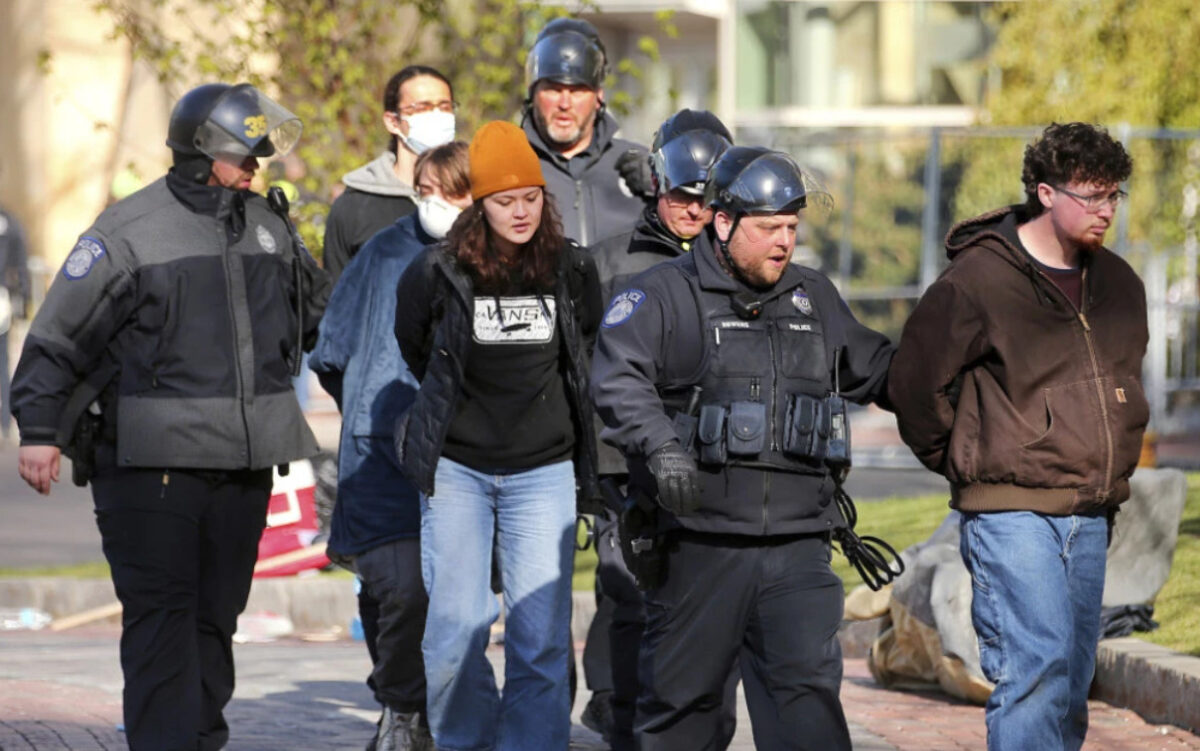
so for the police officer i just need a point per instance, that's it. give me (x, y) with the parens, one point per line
(683, 151)
(597, 180)
(713, 374)
(183, 309)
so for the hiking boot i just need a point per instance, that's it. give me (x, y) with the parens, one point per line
(402, 731)
(597, 715)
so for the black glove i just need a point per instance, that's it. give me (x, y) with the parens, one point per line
(634, 168)
(675, 474)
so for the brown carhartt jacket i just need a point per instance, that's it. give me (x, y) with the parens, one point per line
(1020, 399)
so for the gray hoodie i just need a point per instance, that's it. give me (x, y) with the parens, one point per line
(591, 197)
(374, 199)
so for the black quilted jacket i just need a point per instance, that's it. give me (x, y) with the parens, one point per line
(434, 313)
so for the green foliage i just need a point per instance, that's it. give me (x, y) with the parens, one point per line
(1102, 61)
(1177, 607)
(328, 61)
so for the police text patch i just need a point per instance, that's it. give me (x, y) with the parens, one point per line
(517, 320)
(82, 257)
(623, 306)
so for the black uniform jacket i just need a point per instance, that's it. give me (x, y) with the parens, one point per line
(653, 342)
(435, 310)
(618, 260)
(199, 321)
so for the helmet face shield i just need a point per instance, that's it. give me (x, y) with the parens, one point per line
(759, 181)
(567, 57)
(245, 122)
(683, 163)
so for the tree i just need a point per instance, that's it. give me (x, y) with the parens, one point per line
(1110, 62)
(327, 61)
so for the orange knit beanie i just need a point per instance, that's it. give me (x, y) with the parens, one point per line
(501, 158)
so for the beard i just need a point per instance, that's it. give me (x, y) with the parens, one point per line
(560, 138)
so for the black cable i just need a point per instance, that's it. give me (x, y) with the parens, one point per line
(867, 554)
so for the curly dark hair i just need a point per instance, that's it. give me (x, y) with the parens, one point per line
(470, 243)
(1072, 152)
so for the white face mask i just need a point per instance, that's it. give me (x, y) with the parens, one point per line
(436, 215)
(428, 130)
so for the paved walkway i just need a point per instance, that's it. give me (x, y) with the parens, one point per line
(63, 691)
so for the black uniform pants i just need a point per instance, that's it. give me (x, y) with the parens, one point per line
(182, 547)
(625, 626)
(775, 604)
(391, 573)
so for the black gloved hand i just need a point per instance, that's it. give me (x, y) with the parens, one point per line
(674, 472)
(634, 168)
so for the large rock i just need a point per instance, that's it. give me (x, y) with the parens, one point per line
(1143, 545)
(931, 640)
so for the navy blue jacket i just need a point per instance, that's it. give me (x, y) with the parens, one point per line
(359, 364)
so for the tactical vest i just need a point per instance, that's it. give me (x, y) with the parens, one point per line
(764, 381)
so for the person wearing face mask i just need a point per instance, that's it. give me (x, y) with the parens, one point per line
(169, 340)
(376, 522)
(418, 112)
(495, 323)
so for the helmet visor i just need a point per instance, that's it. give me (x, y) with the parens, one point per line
(684, 162)
(775, 184)
(246, 122)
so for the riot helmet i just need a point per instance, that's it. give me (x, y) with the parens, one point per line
(221, 121)
(757, 180)
(685, 148)
(569, 51)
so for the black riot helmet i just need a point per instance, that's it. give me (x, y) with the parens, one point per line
(757, 180)
(684, 149)
(218, 120)
(567, 50)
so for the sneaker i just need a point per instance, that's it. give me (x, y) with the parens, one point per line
(402, 731)
(597, 715)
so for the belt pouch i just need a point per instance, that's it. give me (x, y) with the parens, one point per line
(712, 434)
(803, 419)
(747, 430)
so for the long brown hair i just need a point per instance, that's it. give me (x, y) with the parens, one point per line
(470, 242)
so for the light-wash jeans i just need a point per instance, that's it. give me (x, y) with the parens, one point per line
(1037, 585)
(531, 517)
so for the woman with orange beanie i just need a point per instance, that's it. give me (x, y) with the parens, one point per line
(496, 323)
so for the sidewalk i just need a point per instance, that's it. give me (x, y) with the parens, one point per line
(62, 692)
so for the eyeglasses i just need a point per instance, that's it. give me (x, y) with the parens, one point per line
(1093, 204)
(418, 108)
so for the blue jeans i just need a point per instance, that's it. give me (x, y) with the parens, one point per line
(1037, 585)
(531, 516)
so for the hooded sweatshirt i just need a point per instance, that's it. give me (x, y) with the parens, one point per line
(374, 199)
(1023, 400)
(592, 199)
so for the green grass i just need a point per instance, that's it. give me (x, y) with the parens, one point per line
(905, 521)
(900, 522)
(1177, 607)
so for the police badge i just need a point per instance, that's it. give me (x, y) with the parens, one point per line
(265, 239)
(802, 303)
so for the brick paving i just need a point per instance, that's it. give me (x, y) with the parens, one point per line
(932, 721)
(63, 692)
